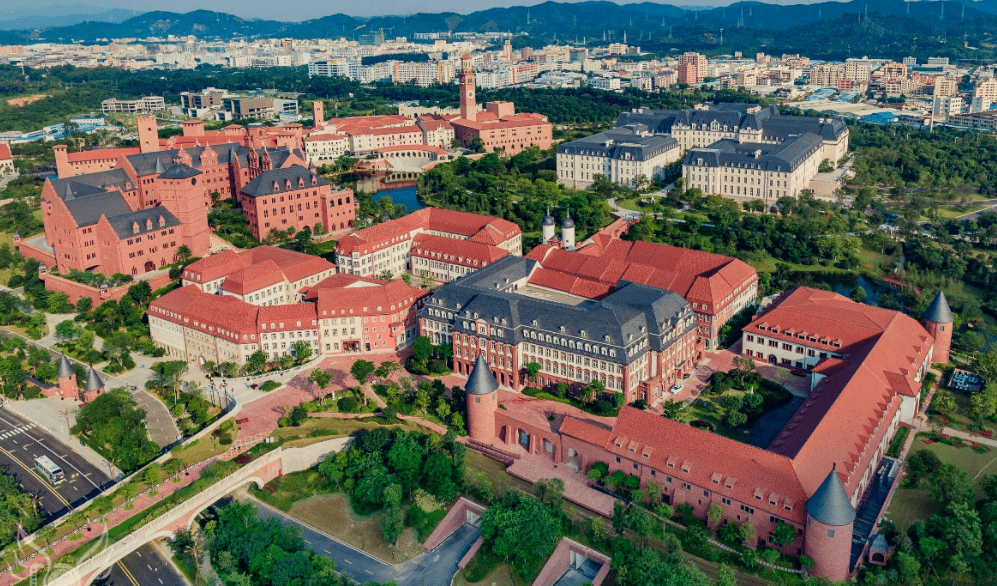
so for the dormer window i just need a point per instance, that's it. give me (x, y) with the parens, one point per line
(162, 221)
(314, 180)
(276, 186)
(135, 228)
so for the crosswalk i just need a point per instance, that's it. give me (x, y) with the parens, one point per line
(17, 430)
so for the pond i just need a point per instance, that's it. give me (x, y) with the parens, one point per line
(769, 425)
(404, 196)
(846, 285)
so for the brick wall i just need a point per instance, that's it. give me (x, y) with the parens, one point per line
(454, 519)
(76, 291)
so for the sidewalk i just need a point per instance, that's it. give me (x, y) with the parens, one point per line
(50, 413)
(97, 528)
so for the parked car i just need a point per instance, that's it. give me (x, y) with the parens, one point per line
(798, 372)
(675, 389)
(687, 375)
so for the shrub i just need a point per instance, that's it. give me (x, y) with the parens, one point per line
(348, 405)
(631, 482)
(598, 471)
(269, 385)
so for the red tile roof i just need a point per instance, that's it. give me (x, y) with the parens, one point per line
(294, 266)
(462, 252)
(100, 154)
(847, 414)
(698, 276)
(366, 297)
(488, 121)
(5, 152)
(258, 276)
(286, 318)
(386, 234)
(707, 456)
(222, 316)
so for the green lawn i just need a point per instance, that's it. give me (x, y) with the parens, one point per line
(910, 504)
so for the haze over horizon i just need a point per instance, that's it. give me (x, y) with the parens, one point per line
(262, 9)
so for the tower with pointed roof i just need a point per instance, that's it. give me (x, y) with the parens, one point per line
(94, 386)
(67, 379)
(468, 104)
(549, 226)
(482, 401)
(568, 233)
(830, 520)
(938, 320)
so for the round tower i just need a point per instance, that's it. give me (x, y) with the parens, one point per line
(94, 387)
(482, 401)
(830, 518)
(568, 233)
(67, 379)
(938, 321)
(549, 226)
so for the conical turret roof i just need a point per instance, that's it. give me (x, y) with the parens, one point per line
(830, 504)
(939, 311)
(568, 222)
(481, 381)
(549, 219)
(65, 368)
(93, 381)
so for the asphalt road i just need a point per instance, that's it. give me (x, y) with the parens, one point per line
(145, 566)
(434, 568)
(21, 442)
(158, 420)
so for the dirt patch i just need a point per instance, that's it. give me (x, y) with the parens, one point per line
(332, 514)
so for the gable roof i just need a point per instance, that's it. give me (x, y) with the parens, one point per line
(264, 183)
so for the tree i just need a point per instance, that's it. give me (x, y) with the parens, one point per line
(715, 514)
(950, 484)
(641, 523)
(386, 368)
(392, 524)
(256, 362)
(523, 531)
(942, 402)
(962, 534)
(532, 370)
(361, 371)
(171, 373)
(301, 350)
(183, 254)
(320, 377)
(422, 349)
(784, 534)
(66, 330)
(726, 576)
(386, 275)
(984, 403)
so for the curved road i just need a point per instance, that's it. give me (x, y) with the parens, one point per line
(434, 568)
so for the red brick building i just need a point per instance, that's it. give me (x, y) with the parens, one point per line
(825, 474)
(264, 275)
(295, 197)
(499, 127)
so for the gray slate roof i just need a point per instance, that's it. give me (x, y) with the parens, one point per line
(481, 381)
(65, 368)
(939, 311)
(264, 183)
(86, 210)
(178, 171)
(147, 163)
(782, 158)
(93, 381)
(124, 224)
(773, 125)
(830, 504)
(628, 142)
(631, 316)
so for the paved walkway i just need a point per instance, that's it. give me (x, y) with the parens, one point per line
(532, 468)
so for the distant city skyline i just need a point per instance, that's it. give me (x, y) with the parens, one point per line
(298, 11)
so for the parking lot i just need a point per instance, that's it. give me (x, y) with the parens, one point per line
(21, 442)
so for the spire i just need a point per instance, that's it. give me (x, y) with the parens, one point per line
(830, 504)
(93, 381)
(939, 311)
(481, 381)
(568, 222)
(65, 368)
(549, 219)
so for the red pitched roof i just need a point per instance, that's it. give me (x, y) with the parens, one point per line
(366, 298)
(5, 152)
(286, 318)
(708, 456)
(100, 154)
(254, 278)
(294, 266)
(848, 412)
(463, 252)
(222, 316)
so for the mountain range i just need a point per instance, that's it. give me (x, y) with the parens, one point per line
(641, 22)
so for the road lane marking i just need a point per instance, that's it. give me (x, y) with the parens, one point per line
(37, 477)
(369, 572)
(347, 561)
(128, 574)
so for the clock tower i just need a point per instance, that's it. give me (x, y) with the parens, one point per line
(468, 107)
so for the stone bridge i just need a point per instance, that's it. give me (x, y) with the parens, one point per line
(258, 472)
